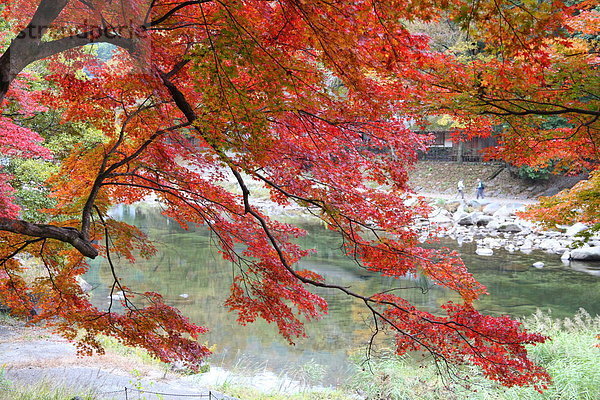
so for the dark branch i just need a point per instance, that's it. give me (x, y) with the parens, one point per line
(64, 234)
(174, 10)
(504, 105)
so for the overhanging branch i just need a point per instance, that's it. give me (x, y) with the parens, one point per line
(64, 234)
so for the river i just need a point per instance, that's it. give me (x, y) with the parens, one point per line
(191, 275)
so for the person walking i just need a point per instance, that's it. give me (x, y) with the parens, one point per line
(480, 188)
(461, 189)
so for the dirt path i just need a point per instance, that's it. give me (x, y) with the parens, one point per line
(33, 355)
(486, 200)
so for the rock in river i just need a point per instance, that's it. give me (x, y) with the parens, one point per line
(452, 206)
(550, 244)
(482, 220)
(586, 254)
(510, 228)
(482, 251)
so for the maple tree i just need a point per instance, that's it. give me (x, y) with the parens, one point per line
(311, 100)
(537, 94)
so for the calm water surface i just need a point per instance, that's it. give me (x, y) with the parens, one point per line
(188, 264)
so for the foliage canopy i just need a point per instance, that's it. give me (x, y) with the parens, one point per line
(310, 99)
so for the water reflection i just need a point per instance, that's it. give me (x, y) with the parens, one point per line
(188, 264)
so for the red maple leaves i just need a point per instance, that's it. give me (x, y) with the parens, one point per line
(312, 101)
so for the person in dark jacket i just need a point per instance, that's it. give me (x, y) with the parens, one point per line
(480, 188)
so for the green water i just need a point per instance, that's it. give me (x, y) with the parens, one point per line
(188, 264)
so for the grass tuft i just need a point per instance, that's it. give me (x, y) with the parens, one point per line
(39, 391)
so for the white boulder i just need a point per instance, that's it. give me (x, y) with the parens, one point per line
(502, 212)
(440, 219)
(575, 229)
(466, 219)
(586, 254)
(483, 251)
(550, 244)
(510, 228)
(491, 208)
(493, 224)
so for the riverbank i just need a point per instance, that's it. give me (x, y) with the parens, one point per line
(33, 356)
(36, 364)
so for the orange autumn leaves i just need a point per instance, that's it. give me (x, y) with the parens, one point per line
(315, 102)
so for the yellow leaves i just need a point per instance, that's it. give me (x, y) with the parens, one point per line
(448, 120)
(463, 49)
(574, 46)
(75, 178)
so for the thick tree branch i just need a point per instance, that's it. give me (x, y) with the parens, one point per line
(64, 234)
(28, 46)
(20, 52)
